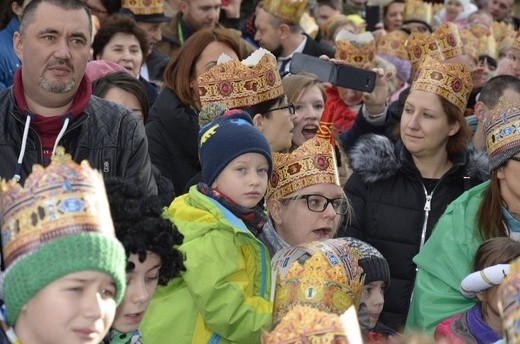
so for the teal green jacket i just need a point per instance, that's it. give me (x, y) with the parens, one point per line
(224, 294)
(444, 261)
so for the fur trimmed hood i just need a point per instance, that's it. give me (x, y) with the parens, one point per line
(376, 158)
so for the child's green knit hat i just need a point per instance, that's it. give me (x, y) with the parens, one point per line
(58, 224)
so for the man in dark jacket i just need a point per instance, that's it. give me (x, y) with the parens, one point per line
(51, 103)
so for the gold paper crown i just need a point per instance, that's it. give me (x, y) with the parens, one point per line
(508, 304)
(289, 11)
(480, 30)
(60, 200)
(448, 37)
(469, 43)
(487, 46)
(144, 7)
(309, 25)
(330, 279)
(451, 81)
(421, 44)
(311, 163)
(419, 11)
(393, 44)
(355, 54)
(307, 322)
(501, 30)
(236, 85)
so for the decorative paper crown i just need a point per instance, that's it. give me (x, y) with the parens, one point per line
(393, 44)
(321, 274)
(451, 81)
(516, 43)
(146, 10)
(417, 10)
(355, 50)
(502, 132)
(307, 322)
(509, 303)
(469, 43)
(311, 163)
(480, 30)
(420, 45)
(238, 84)
(487, 46)
(501, 30)
(448, 37)
(309, 25)
(289, 11)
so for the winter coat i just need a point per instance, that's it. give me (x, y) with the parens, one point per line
(9, 62)
(172, 129)
(224, 294)
(392, 212)
(445, 261)
(108, 135)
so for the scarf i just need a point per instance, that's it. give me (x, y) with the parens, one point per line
(253, 218)
(480, 330)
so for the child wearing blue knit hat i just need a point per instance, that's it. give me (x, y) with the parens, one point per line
(224, 294)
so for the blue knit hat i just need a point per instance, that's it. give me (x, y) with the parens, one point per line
(226, 138)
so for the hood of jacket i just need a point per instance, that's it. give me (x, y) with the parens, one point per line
(376, 158)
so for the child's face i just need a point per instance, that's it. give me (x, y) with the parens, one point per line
(76, 308)
(454, 8)
(244, 179)
(374, 298)
(489, 306)
(141, 283)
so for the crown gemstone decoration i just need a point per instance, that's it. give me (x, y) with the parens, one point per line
(289, 11)
(393, 44)
(330, 279)
(503, 127)
(448, 37)
(65, 198)
(451, 81)
(355, 50)
(419, 45)
(144, 7)
(311, 163)
(238, 84)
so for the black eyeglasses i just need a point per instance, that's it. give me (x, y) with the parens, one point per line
(319, 203)
(515, 158)
(290, 107)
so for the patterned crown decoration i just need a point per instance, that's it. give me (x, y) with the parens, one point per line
(502, 132)
(418, 10)
(421, 44)
(62, 199)
(507, 41)
(238, 84)
(469, 43)
(393, 44)
(289, 11)
(451, 81)
(311, 163)
(448, 37)
(509, 303)
(487, 46)
(355, 50)
(501, 30)
(321, 274)
(144, 7)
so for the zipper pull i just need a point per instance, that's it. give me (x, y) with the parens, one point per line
(427, 205)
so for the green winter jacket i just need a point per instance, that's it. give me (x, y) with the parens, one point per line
(444, 261)
(224, 294)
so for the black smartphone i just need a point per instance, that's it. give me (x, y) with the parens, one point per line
(372, 16)
(338, 74)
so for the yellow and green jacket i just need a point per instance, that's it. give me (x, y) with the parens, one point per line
(224, 294)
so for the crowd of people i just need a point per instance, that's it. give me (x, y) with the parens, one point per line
(167, 176)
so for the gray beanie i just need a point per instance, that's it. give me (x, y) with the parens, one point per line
(371, 260)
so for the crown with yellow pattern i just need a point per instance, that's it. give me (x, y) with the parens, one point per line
(448, 37)
(238, 84)
(418, 10)
(508, 305)
(501, 30)
(480, 30)
(289, 11)
(355, 50)
(393, 44)
(321, 274)
(487, 46)
(422, 44)
(151, 11)
(469, 43)
(451, 81)
(310, 164)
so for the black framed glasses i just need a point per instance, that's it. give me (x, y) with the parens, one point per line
(515, 158)
(290, 107)
(318, 203)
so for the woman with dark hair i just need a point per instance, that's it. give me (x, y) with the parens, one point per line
(399, 191)
(103, 8)
(393, 15)
(122, 41)
(150, 243)
(486, 211)
(173, 124)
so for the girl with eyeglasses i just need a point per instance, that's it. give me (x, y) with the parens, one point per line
(304, 200)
